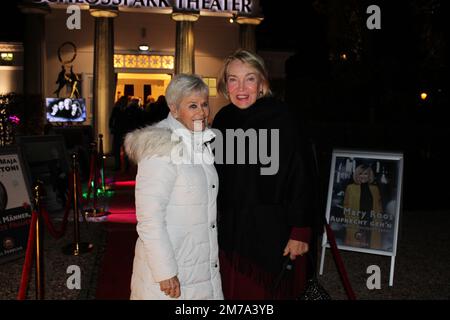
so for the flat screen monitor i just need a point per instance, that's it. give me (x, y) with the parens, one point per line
(65, 109)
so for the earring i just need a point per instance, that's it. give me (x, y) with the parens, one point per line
(261, 93)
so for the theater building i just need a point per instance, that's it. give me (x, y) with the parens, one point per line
(133, 47)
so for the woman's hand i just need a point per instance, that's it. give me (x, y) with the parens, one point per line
(295, 248)
(171, 287)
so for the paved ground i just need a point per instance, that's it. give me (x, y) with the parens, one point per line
(56, 264)
(422, 268)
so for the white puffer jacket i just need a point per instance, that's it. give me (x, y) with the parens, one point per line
(176, 190)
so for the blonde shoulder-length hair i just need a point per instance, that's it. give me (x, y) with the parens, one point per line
(251, 59)
(360, 169)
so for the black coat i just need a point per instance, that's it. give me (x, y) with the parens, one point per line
(257, 212)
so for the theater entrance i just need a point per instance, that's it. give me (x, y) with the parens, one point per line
(142, 85)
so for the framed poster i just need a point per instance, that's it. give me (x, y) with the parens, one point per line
(47, 160)
(364, 201)
(15, 204)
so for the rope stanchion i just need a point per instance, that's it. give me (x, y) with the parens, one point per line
(76, 248)
(96, 177)
(92, 172)
(34, 243)
(34, 249)
(28, 258)
(48, 223)
(101, 157)
(39, 267)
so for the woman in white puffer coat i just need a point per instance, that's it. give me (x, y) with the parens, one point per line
(176, 254)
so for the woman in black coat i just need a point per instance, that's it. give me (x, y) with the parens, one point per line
(264, 206)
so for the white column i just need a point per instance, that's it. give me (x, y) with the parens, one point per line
(103, 72)
(35, 56)
(247, 28)
(185, 44)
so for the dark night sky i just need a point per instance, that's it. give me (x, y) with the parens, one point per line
(410, 51)
(11, 22)
(298, 26)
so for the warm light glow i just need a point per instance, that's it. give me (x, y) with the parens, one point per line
(249, 20)
(184, 16)
(7, 56)
(231, 20)
(144, 47)
(144, 76)
(343, 56)
(103, 13)
(423, 95)
(143, 61)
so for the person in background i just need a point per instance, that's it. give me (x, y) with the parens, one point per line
(157, 111)
(148, 102)
(118, 127)
(176, 255)
(264, 219)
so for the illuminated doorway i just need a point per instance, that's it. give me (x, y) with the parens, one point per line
(142, 85)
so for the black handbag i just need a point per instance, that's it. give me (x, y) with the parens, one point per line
(313, 289)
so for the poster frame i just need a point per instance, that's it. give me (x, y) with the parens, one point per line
(14, 150)
(374, 157)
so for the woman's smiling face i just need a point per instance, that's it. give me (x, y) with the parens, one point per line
(193, 111)
(243, 84)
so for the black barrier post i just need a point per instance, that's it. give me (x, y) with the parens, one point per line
(101, 157)
(76, 248)
(98, 173)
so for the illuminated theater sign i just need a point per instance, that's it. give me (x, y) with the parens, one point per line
(240, 6)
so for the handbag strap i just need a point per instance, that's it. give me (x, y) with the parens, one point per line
(287, 266)
(312, 265)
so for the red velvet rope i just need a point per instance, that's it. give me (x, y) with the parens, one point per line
(32, 235)
(80, 191)
(339, 263)
(28, 257)
(51, 228)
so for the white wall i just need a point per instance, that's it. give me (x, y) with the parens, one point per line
(11, 79)
(160, 31)
(215, 39)
(56, 33)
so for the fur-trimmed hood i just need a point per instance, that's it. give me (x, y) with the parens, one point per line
(161, 138)
(150, 141)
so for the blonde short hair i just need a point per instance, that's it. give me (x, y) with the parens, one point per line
(360, 169)
(251, 59)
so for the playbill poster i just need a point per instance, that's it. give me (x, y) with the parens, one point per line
(15, 210)
(364, 200)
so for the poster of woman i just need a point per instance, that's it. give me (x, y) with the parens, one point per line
(15, 205)
(364, 200)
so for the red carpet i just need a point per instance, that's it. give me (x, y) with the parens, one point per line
(115, 271)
